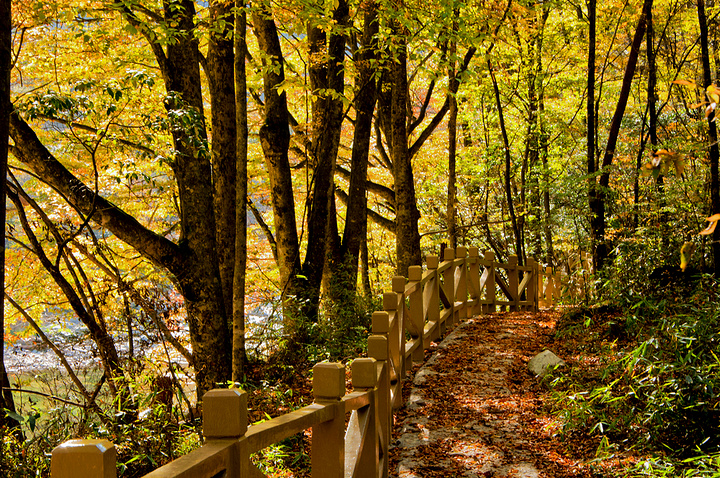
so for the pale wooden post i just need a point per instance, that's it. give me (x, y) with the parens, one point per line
(328, 444)
(396, 335)
(449, 288)
(540, 286)
(84, 459)
(398, 284)
(225, 417)
(381, 328)
(461, 282)
(558, 287)
(550, 285)
(490, 283)
(378, 349)
(417, 317)
(586, 261)
(474, 280)
(364, 378)
(512, 275)
(531, 291)
(224, 413)
(433, 300)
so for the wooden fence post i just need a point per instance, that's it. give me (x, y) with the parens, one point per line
(541, 287)
(378, 350)
(549, 288)
(474, 281)
(461, 288)
(390, 305)
(416, 321)
(361, 439)
(84, 458)
(513, 283)
(448, 287)
(432, 299)
(558, 286)
(532, 284)
(225, 416)
(328, 443)
(490, 283)
(397, 334)
(224, 413)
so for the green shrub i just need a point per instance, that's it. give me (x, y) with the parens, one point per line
(656, 388)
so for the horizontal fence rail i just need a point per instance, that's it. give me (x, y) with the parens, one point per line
(420, 309)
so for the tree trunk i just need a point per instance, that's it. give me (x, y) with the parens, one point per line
(327, 81)
(598, 225)
(407, 215)
(193, 261)
(220, 73)
(275, 141)
(6, 398)
(597, 236)
(543, 137)
(712, 135)
(344, 264)
(240, 262)
(508, 164)
(530, 183)
(453, 84)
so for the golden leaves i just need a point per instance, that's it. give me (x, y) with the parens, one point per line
(711, 227)
(661, 161)
(686, 252)
(712, 93)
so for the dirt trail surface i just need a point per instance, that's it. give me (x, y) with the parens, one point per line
(474, 409)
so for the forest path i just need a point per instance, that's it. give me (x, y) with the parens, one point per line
(474, 410)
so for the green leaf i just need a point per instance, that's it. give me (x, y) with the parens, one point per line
(15, 416)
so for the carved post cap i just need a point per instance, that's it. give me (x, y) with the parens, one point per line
(448, 254)
(84, 458)
(513, 260)
(378, 347)
(380, 322)
(489, 255)
(390, 300)
(473, 251)
(461, 252)
(398, 284)
(432, 261)
(415, 273)
(224, 413)
(328, 381)
(364, 372)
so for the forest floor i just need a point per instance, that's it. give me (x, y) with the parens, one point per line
(474, 410)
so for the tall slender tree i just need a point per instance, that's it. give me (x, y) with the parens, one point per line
(598, 201)
(241, 150)
(591, 123)
(407, 215)
(453, 81)
(6, 398)
(713, 151)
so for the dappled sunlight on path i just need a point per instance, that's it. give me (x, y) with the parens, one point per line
(474, 410)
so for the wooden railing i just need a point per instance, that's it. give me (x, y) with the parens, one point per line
(418, 310)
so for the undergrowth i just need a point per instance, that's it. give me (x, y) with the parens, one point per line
(653, 388)
(164, 430)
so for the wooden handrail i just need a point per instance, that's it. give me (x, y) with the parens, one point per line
(422, 306)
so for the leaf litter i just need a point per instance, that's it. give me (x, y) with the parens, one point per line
(474, 409)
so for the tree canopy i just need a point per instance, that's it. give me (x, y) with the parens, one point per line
(241, 171)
